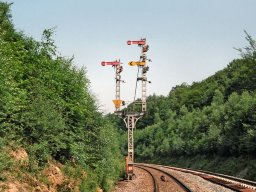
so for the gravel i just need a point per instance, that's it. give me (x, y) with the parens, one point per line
(196, 183)
(142, 183)
(166, 184)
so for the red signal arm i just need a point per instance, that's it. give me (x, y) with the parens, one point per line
(112, 63)
(140, 42)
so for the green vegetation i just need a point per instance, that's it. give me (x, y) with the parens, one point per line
(212, 119)
(47, 109)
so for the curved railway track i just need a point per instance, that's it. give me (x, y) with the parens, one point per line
(159, 178)
(234, 183)
(163, 179)
(243, 182)
(152, 176)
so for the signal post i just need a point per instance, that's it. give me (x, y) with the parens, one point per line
(130, 117)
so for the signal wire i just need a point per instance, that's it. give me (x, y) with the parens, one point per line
(136, 84)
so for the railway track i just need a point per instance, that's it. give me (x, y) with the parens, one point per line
(234, 183)
(160, 178)
(164, 181)
(155, 187)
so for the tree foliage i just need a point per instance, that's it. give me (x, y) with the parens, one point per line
(46, 105)
(216, 116)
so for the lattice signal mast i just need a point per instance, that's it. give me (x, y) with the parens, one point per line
(131, 117)
(142, 63)
(118, 69)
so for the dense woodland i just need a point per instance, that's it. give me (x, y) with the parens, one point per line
(217, 115)
(47, 109)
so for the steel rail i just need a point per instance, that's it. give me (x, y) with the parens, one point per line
(234, 183)
(153, 177)
(181, 184)
(245, 181)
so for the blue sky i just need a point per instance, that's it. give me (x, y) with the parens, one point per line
(189, 39)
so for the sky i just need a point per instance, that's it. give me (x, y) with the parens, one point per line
(189, 39)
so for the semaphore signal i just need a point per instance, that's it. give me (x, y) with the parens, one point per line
(130, 114)
(118, 70)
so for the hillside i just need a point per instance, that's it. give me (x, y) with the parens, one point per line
(210, 124)
(52, 136)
